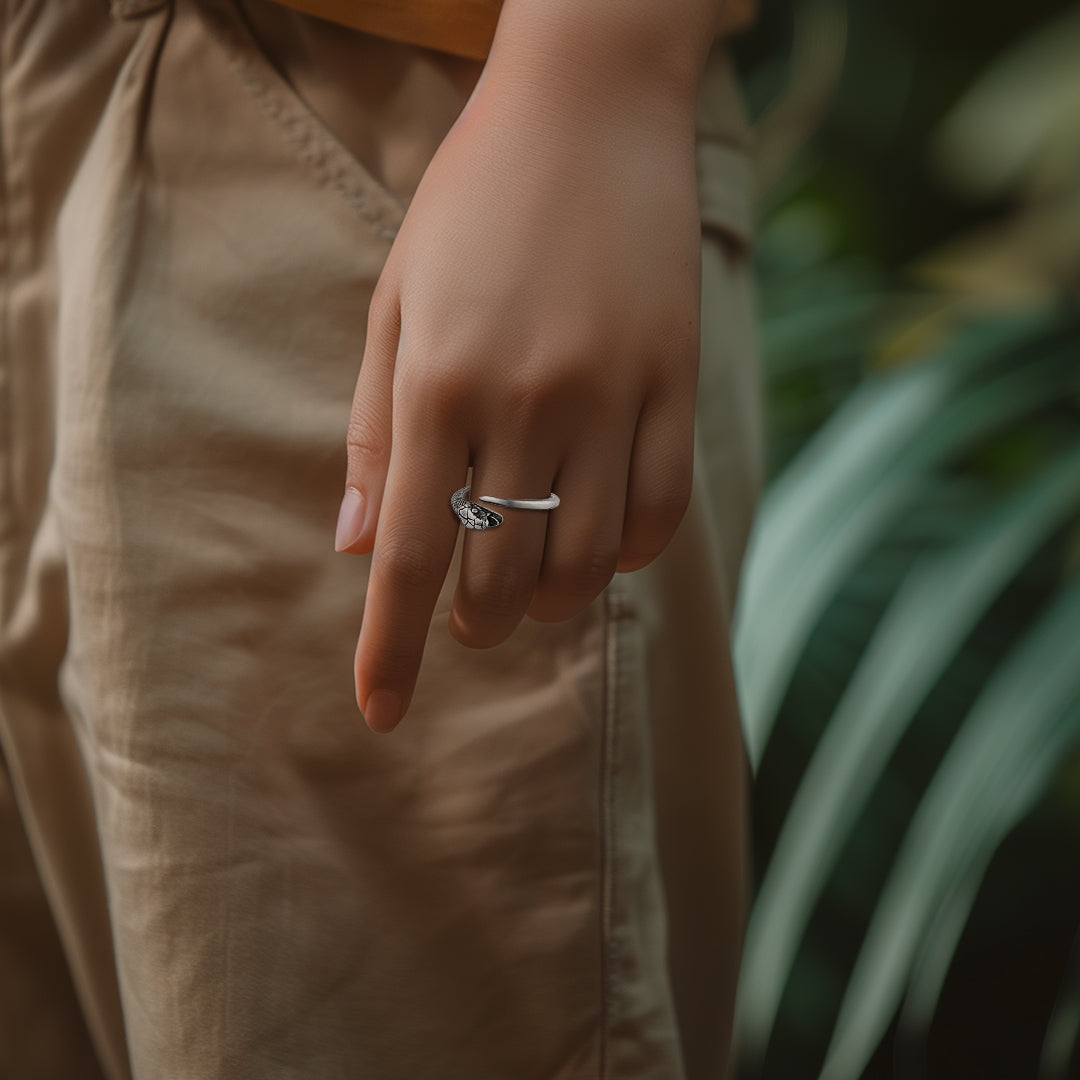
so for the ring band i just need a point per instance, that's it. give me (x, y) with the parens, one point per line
(474, 516)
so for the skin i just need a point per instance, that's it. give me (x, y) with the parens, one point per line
(562, 209)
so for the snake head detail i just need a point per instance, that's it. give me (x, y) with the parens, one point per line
(473, 515)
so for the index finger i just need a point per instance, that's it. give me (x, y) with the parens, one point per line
(414, 546)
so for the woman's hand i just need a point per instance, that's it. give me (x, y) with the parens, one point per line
(537, 317)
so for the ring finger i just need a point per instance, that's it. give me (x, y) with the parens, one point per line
(500, 565)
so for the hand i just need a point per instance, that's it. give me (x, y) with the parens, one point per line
(538, 318)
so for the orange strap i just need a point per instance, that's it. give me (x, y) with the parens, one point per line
(462, 27)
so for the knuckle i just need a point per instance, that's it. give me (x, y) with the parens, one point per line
(408, 565)
(539, 379)
(590, 575)
(364, 446)
(383, 300)
(670, 503)
(656, 523)
(549, 384)
(499, 593)
(435, 392)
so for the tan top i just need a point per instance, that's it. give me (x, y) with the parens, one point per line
(463, 27)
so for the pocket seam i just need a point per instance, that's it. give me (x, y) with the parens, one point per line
(608, 728)
(618, 608)
(314, 144)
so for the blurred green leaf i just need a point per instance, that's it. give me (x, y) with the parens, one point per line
(894, 639)
(818, 519)
(1008, 745)
(934, 610)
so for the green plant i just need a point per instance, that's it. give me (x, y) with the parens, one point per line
(909, 620)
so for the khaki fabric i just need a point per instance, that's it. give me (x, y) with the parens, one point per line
(462, 27)
(209, 866)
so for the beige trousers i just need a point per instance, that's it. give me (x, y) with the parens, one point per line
(209, 866)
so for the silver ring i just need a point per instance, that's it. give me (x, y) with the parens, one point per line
(474, 516)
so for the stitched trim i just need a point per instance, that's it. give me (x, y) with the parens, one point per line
(329, 159)
(617, 606)
(607, 820)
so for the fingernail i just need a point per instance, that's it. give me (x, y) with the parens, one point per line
(383, 710)
(350, 521)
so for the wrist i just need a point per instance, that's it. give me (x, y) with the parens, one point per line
(582, 54)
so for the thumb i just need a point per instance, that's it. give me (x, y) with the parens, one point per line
(370, 425)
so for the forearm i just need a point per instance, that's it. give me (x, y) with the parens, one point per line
(581, 50)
